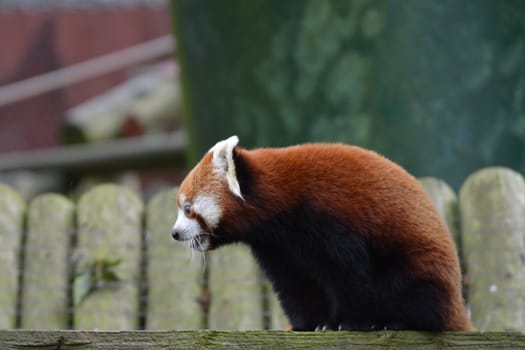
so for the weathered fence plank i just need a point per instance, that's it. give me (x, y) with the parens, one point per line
(236, 289)
(278, 319)
(445, 201)
(493, 223)
(45, 292)
(140, 340)
(110, 229)
(174, 272)
(12, 209)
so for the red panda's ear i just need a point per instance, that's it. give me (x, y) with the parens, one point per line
(223, 162)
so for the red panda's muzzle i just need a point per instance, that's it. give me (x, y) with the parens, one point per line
(201, 242)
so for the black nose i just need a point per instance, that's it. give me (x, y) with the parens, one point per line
(175, 235)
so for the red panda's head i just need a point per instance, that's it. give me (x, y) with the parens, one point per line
(206, 194)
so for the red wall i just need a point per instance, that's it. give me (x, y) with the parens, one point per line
(32, 43)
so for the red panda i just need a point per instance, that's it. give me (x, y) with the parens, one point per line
(348, 239)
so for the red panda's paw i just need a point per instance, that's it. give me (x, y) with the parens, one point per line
(357, 327)
(345, 326)
(328, 326)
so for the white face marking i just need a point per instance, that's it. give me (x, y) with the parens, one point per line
(189, 229)
(208, 208)
(186, 227)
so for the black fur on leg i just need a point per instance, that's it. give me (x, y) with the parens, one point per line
(325, 274)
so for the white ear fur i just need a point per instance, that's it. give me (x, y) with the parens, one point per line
(224, 164)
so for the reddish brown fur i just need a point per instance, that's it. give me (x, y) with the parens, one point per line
(365, 181)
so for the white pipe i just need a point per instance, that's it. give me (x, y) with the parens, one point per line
(86, 70)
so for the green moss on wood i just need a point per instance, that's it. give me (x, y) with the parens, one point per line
(12, 209)
(492, 219)
(24, 339)
(47, 263)
(174, 272)
(110, 227)
(235, 289)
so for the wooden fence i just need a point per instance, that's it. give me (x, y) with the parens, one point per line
(119, 251)
(108, 263)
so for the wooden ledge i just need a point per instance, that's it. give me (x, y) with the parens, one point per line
(209, 339)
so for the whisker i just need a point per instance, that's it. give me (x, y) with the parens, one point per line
(204, 257)
(192, 253)
(188, 247)
(211, 233)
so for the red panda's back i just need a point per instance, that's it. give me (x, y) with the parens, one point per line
(350, 181)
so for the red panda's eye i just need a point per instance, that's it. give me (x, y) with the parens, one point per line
(187, 209)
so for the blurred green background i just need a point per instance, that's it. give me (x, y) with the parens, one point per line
(437, 86)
